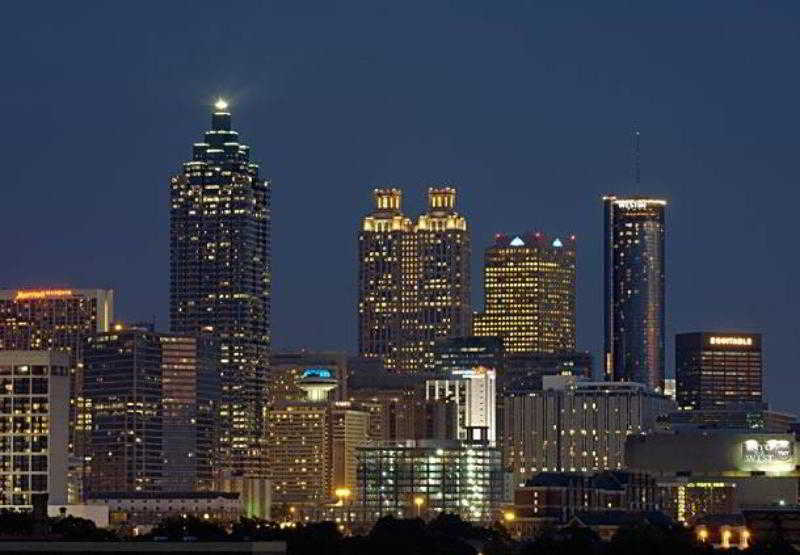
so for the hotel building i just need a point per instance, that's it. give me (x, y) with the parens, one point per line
(529, 294)
(634, 290)
(61, 320)
(34, 406)
(220, 272)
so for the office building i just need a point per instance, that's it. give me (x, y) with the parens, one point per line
(153, 397)
(311, 443)
(576, 426)
(459, 353)
(427, 477)
(525, 371)
(190, 394)
(472, 392)
(34, 407)
(442, 277)
(529, 293)
(59, 319)
(715, 370)
(414, 280)
(634, 290)
(220, 279)
(385, 247)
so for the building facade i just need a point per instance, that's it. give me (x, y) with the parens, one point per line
(576, 426)
(59, 319)
(34, 410)
(529, 293)
(427, 477)
(473, 394)
(459, 353)
(286, 369)
(414, 280)
(715, 370)
(220, 280)
(634, 290)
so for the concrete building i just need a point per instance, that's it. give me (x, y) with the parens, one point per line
(529, 293)
(34, 412)
(220, 280)
(576, 426)
(473, 392)
(61, 320)
(424, 478)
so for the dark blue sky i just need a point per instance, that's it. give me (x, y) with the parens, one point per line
(526, 107)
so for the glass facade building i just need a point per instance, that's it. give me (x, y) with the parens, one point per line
(427, 477)
(634, 290)
(220, 270)
(529, 293)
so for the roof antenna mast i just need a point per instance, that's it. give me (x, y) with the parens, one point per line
(637, 158)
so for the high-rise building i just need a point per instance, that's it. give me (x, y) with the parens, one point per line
(34, 405)
(442, 280)
(220, 270)
(312, 442)
(385, 244)
(123, 382)
(529, 293)
(286, 369)
(413, 280)
(634, 290)
(715, 370)
(458, 353)
(58, 319)
(190, 393)
(153, 397)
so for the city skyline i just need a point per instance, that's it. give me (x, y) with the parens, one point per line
(720, 173)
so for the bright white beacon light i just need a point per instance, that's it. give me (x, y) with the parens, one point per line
(220, 104)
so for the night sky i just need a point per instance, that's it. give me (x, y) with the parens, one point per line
(525, 107)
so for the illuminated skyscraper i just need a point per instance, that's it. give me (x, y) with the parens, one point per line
(442, 280)
(220, 270)
(529, 294)
(61, 320)
(385, 243)
(413, 280)
(634, 290)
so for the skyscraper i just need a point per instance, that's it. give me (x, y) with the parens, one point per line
(413, 280)
(529, 294)
(442, 280)
(61, 320)
(385, 244)
(220, 270)
(634, 290)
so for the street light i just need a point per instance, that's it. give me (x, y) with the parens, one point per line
(419, 501)
(509, 516)
(342, 494)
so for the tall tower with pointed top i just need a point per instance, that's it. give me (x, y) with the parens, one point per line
(220, 281)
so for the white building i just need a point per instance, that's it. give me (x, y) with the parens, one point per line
(34, 421)
(474, 393)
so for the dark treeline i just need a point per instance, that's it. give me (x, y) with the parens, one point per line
(444, 535)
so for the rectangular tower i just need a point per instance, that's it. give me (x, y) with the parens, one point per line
(529, 294)
(718, 370)
(220, 280)
(634, 290)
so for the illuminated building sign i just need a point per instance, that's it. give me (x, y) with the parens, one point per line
(742, 341)
(760, 451)
(318, 373)
(637, 204)
(43, 294)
